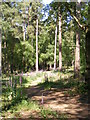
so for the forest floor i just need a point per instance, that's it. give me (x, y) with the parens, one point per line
(57, 100)
(55, 96)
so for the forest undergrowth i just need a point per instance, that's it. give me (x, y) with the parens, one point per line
(42, 95)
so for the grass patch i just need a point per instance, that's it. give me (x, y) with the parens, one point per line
(74, 86)
(28, 105)
(39, 74)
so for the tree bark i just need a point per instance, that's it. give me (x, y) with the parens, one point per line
(60, 43)
(37, 45)
(55, 48)
(23, 60)
(77, 50)
(77, 55)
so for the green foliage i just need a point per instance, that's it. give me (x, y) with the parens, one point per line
(82, 88)
(13, 91)
(20, 55)
(68, 48)
(23, 52)
(26, 105)
(76, 86)
(45, 113)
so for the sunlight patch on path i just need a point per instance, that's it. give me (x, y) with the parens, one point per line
(40, 79)
(37, 81)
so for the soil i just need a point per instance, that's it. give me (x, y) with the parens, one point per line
(56, 99)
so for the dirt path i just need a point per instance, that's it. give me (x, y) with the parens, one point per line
(57, 100)
(40, 79)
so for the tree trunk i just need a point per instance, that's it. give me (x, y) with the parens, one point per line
(77, 55)
(37, 45)
(55, 48)
(77, 50)
(23, 60)
(60, 44)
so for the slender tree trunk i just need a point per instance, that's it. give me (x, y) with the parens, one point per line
(37, 45)
(77, 55)
(60, 44)
(77, 50)
(55, 48)
(24, 40)
(24, 23)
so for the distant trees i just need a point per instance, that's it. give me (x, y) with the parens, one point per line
(45, 42)
(20, 26)
(56, 12)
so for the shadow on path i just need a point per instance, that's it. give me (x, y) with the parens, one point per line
(57, 100)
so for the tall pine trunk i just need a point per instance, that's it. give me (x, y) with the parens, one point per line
(77, 55)
(55, 48)
(23, 69)
(77, 50)
(23, 60)
(37, 44)
(60, 43)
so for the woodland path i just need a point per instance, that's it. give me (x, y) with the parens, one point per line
(57, 100)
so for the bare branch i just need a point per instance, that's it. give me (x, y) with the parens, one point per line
(76, 19)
